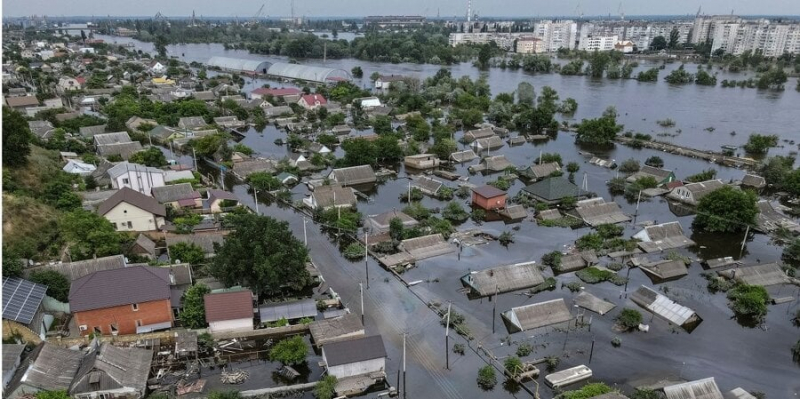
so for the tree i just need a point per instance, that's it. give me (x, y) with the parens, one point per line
(484, 56)
(290, 351)
(790, 255)
(629, 318)
(187, 252)
(573, 167)
(444, 147)
(396, 229)
(160, 43)
(726, 210)
(326, 388)
(357, 72)
(486, 377)
(629, 166)
(12, 264)
(194, 313)
(57, 284)
(455, 213)
(261, 253)
(90, 235)
(62, 394)
(749, 301)
(655, 161)
(674, 39)
(525, 93)
(358, 151)
(152, 156)
(650, 75)
(374, 76)
(600, 131)
(388, 149)
(775, 169)
(263, 181)
(658, 43)
(16, 138)
(760, 143)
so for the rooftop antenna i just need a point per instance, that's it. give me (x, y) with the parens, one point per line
(621, 12)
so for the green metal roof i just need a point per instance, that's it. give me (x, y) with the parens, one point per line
(552, 189)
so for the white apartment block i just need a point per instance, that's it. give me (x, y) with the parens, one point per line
(772, 39)
(599, 43)
(503, 40)
(556, 34)
(530, 45)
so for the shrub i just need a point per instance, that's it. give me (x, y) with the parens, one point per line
(289, 351)
(57, 284)
(588, 391)
(552, 362)
(455, 213)
(616, 342)
(506, 238)
(749, 301)
(629, 318)
(629, 166)
(593, 275)
(655, 161)
(524, 349)
(478, 215)
(552, 259)
(702, 176)
(513, 365)
(486, 377)
(354, 251)
(760, 144)
(590, 241)
(459, 349)
(325, 389)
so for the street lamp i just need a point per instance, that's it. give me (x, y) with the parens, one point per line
(255, 192)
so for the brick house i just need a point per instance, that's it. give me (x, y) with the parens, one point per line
(312, 101)
(488, 198)
(130, 300)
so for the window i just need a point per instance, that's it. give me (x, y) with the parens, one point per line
(125, 181)
(114, 329)
(104, 396)
(138, 323)
(125, 211)
(135, 307)
(115, 225)
(97, 330)
(130, 225)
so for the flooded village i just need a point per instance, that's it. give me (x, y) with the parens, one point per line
(197, 221)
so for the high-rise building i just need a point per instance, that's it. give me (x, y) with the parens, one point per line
(556, 34)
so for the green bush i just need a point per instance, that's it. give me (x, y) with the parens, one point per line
(524, 349)
(486, 377)
(325, 389)
(513, 366)
(354, 251)
(459, 349)
(629, 318)
(588, 391)
(289, 351)
(749, 300)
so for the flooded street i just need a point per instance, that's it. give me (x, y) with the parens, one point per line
(757, 359)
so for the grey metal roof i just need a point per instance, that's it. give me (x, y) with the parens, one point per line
(111, 138)
(601, 213)
(325, 196)
(663, 306)
(552, 189)
(111, 367)
(495, 163)
(542, 170)
(289, 311)
(307, 72)
(354, 175)
(382, 221)
(125, 150)
(354, 350)
(21, 299)
(536, 315)
(700, 389)
(11, 354)
(52, 367)
(665, 270)
(203, 240)
(192, 122)
(463, 156)
(146, 244)
(764, 275)
(109, 288)
(175, 192)
(662, 237)
(239, 64)
(246, 168)
(593, 303)
(427, 185)
(504, 278)
(185, 341)
(427, 246)
(125, 167)
(336, 329)
(753, 181)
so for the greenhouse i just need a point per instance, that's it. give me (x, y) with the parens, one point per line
(280, 70)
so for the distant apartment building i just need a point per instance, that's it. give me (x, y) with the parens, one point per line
(530, 45)
(384, 21)
(641, 34)
(503, 40)
(556, 34)
(735, 35)
(599, 43)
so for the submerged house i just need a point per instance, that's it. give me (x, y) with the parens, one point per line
(354, 175)
(488, 197)
(666, 308)
(662, 237)
(330, 196)
(360, 356)
(663, 271)
(381, 222)
(497, 163)
(489, 143)
(536, 315)
(502, 279)
(692, 193)
(662, 176)
(597, 211)
(700, 389)
(422, 161)
(553, 190)
(540, 171)
(463, 156)
(428, 185)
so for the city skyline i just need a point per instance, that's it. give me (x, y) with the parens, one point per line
(360, 8)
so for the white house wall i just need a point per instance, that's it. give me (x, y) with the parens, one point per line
(142, 182)
(365, 367)
(140, 219)
(231, 325)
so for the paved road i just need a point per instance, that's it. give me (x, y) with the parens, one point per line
(390, 310)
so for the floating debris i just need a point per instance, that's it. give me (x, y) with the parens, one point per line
(234, 377)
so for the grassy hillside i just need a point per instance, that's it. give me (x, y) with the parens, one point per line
(30, 179)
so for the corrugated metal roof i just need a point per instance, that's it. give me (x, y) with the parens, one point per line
(528, 317)
(111, 367)
(354, 351)
(663, 306)
(700, 389)
(593, 303)
(289, 311)
(504, 278)
(307, 72)
(336, 329)
(763, 275)
(239, 64)
(52, 368)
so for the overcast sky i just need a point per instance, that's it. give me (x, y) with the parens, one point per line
(447, 8)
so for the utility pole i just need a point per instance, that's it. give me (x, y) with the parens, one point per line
(405, 390)
(361, 288)
(366, 255)
(194, 157)
(409, 191)
(255, 192)
(305, 234)
(744, 241)
(494, 309)
(447, 338)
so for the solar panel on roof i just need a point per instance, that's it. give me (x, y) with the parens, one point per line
(21, 299)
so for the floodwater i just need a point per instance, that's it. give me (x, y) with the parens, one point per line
(757, 359)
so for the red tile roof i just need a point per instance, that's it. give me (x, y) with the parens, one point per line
(312, 99)
(80, 79)
(488, 191)
(228, 305)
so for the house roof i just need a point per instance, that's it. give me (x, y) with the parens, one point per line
(491, 142)
(52, 368)
(288, 310)
(601, 212)
(593, 303)
(175, 192)
(700, 389)
(504, 278)
(40, 128)
(22, 101)
(428, 185)
(354, 175)
(216, 194)
(495, 163)
(385, 218)
(91, 131)
(543, 170)
(228, 305)
(552, 189)
(125, 150)
(662, 237)
(325, 195)
(276, 92)
(473, 135)
(764, 275)
(312, 99)
(11, 353)
(146, 244)
(204, 95)
(658, 173)
(134, 198)
(702, 188)
(125, 167)
(111, 138)
(536, 315)
(21, 299)
(336, 329)
(663, 306)
(354, 350)
(426, 246)
(753, 181)
(111, 367)
(665, 270)
(463, 156)
(78, 269)
(191, 122)
(117, 287)
(488, 191)
(248, 167)
(205, 241)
